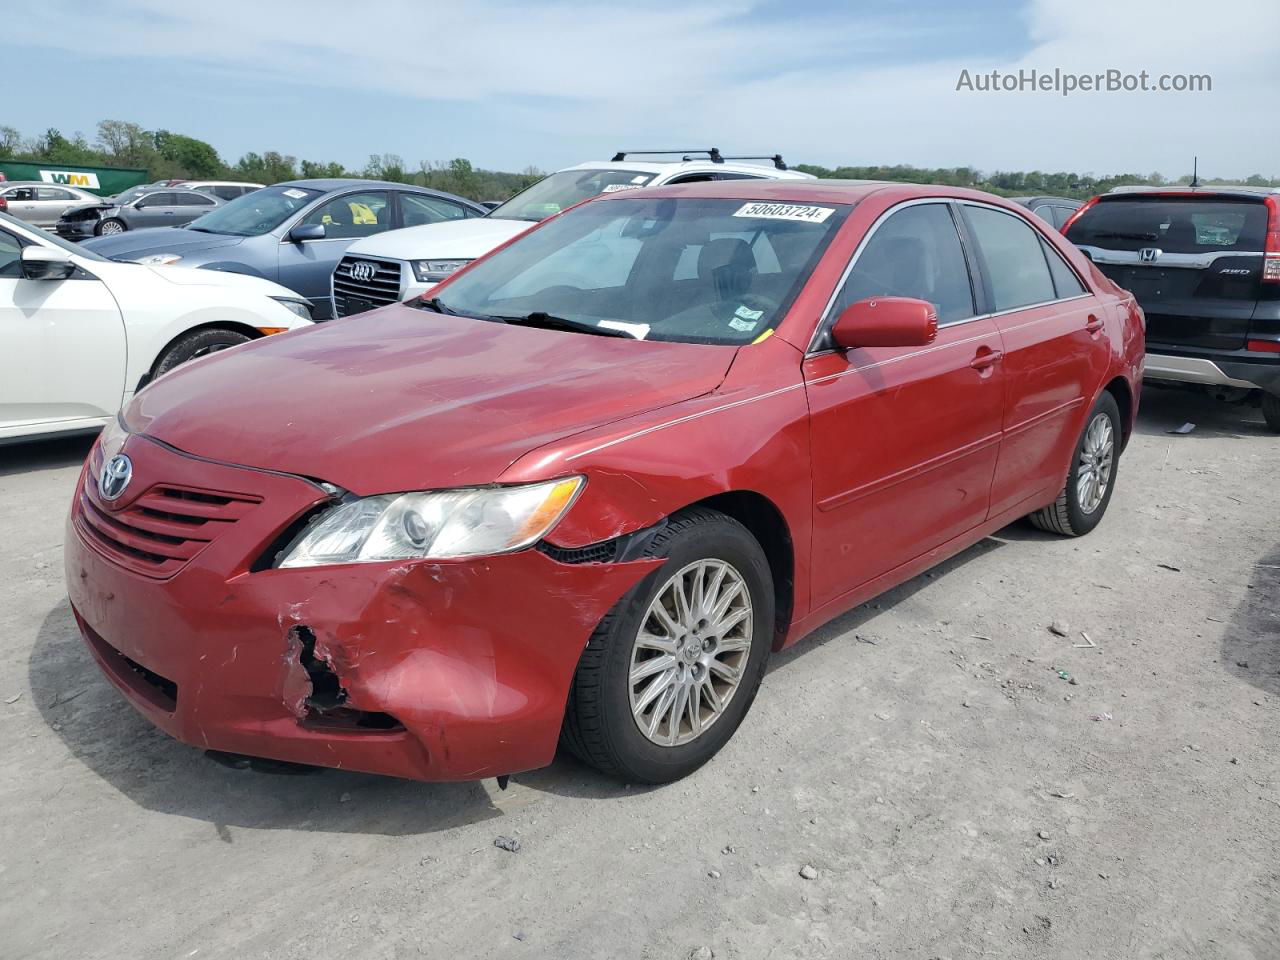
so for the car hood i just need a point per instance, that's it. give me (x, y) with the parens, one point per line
(403, 399)
(456, 239)
(144, 243)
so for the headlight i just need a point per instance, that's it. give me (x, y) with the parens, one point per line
(159, 259)
(447, 525)
(299, 308)
(433, 271)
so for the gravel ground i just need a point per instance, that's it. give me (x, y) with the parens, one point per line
(945, 792)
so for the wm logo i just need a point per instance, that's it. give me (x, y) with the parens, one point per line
(70, 178)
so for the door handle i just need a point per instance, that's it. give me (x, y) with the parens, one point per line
(1093, 325)
(985, 359)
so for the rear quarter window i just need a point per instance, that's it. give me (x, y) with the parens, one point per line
(1191, 225)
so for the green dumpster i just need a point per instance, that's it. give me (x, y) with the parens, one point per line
(104, 181)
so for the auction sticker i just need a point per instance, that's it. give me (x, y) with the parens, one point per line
(785, 211)
(619, 187)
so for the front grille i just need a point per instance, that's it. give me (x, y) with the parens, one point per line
(161, 531)
(352, 295)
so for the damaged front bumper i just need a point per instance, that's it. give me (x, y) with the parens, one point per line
(426, 670)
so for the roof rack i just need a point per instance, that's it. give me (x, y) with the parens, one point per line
(776, 158)
(713, 153)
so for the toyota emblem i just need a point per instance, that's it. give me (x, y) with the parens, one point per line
(1149, 254)
(115, 476)
(363, 271)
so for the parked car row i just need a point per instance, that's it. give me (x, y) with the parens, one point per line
(80, 334)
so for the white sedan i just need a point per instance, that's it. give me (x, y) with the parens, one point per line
(80, 334)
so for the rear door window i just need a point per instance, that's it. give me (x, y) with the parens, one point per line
(417, 210)
(1173, 225)
(1065, 281)
(1016, 269)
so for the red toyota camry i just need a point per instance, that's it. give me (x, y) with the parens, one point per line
(581, 493)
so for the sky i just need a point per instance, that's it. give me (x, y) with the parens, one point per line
(513, 85)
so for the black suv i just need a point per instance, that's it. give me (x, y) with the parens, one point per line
(1204, 263)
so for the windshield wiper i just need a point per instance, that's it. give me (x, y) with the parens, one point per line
(551, 322)
(436, 306)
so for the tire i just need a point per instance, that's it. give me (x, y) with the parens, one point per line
(1068, 515)
(198, 343)
(600, 726)
(110, 227)
(1271, 411)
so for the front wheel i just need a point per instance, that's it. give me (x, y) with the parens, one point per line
(670, 672)
(109, 228)
(1271, 411)
(198, 343)
(1091, 479)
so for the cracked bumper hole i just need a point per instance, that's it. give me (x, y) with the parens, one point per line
(326, 706)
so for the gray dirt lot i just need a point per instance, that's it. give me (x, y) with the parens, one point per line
(955, 796)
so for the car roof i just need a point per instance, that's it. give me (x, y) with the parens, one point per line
(342, 183)
(218, 183)
(691, 166)
(806, 191)
(6, 184)
(1045, 198)
(1227, 189)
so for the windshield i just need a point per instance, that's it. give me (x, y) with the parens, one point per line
(562, 190)
(255, 213)
(1174, 225)
(696, 270)
(52, 240)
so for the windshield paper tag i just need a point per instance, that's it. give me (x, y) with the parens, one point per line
(637, 330)
(615, 187)
(296, 194)
(745, 319)
(785, 211)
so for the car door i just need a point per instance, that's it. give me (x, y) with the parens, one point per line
(1050, 322)
(905, 439)
(189, 205)
(22, 203)
(151, 210)
(62, 348)
(50, 202)
(307, 265)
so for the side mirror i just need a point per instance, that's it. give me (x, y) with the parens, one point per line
(886, 322)
(46, 263)
(307, 231)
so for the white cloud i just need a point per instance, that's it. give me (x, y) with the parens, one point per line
(589, 77)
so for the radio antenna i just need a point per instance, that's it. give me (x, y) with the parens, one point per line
(1195, 171)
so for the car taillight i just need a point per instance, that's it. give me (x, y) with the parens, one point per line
(1078, 214)
(1271, 250)
(4, 204)
(1264, 346)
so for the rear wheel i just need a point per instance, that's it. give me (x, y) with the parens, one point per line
(198, 343)
(1271, 411)
(109, 228)
(1091, 479)
(670, 672)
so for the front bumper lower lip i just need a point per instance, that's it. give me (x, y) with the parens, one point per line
(472, 659)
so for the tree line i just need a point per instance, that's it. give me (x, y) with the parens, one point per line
(167, 155)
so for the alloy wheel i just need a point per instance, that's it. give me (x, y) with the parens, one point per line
(1097, 453)
(690, 652)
